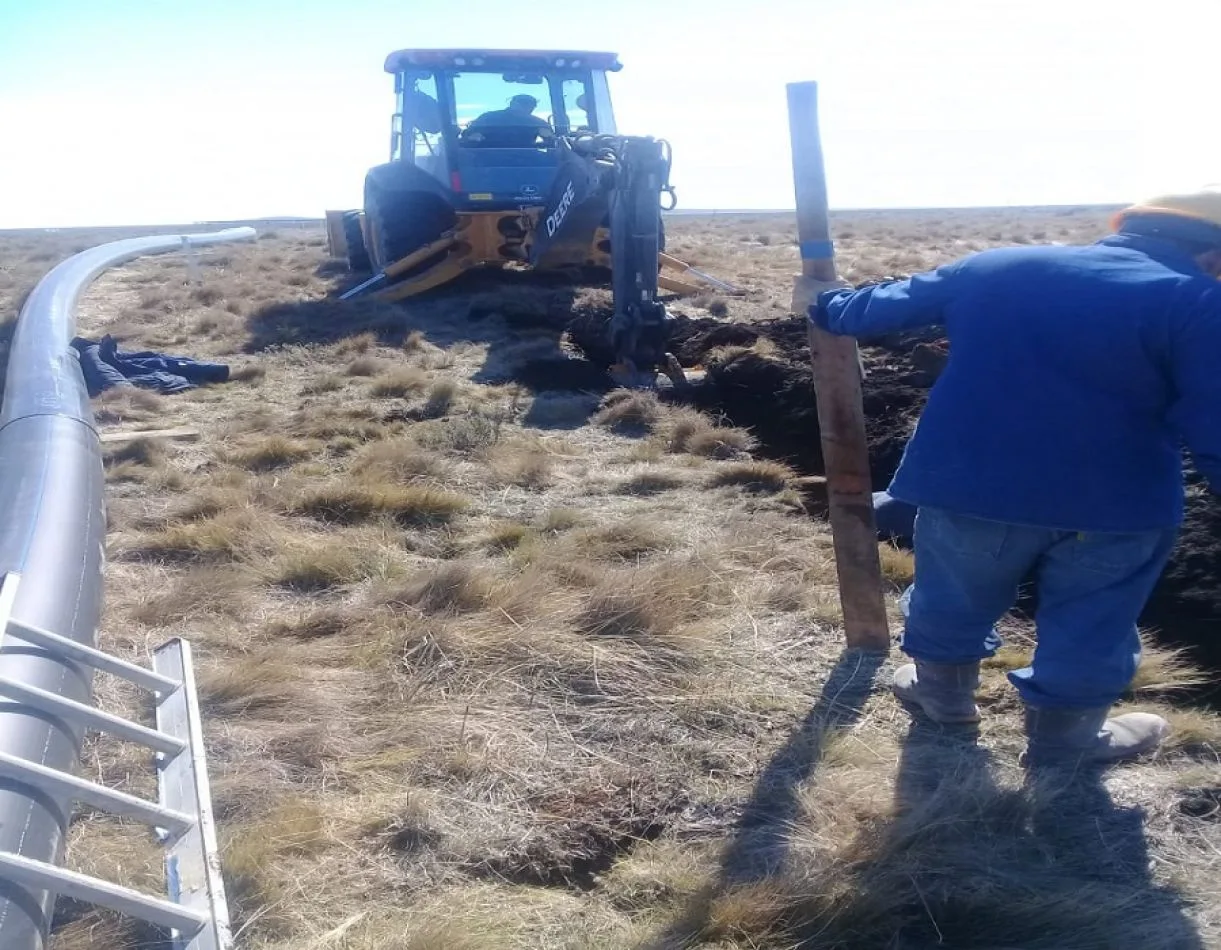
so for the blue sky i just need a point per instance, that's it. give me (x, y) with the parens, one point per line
(148, 111)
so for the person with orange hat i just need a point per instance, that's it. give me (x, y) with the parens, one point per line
(1050, 447)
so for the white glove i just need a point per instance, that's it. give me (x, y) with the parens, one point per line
(806, 291)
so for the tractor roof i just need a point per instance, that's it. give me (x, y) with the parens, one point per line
(536, 59)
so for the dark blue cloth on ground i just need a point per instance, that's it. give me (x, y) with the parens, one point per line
(104, 367)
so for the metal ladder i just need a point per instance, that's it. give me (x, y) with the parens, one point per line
(196, 913)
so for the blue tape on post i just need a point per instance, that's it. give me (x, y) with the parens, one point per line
(816, 250)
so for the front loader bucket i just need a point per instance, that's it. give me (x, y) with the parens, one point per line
(459, 257)
(478, 238)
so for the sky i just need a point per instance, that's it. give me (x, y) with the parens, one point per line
(172, 111)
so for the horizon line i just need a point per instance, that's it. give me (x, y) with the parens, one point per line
(301, 220)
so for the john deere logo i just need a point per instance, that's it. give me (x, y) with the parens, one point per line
(556, 218)
(528, 191)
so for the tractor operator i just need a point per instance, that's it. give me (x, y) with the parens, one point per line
(1051, 446)
(514, 127)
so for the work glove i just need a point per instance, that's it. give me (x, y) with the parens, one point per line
(806, 291)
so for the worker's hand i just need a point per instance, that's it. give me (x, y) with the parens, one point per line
(806, 291)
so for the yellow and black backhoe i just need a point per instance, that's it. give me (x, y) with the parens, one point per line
(479, 178)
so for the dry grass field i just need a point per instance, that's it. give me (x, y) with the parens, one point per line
(492, 665)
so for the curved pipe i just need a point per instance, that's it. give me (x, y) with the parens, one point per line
(51, 553)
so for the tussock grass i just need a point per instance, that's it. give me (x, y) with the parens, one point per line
(207, 294)
(401, 382)
(257, 684)
(273, 452)
(222, 326)
(250, 373)
(757, 476)
(559, 520)
(254, 857)
(1165, 670)
(898, 566)
(356, 345)
(146, 452)
(328, 383)
(229, 535)
(207, 590)
(442, 397)
(351, 502)
(628, 540)
(524, 465)
(510, 535)
(686, 430)
(470, 434)
(206, 502)
(320, 567)
(312, 624)
(651, 482)
(126, 404)
(328, 423)
(648, 605)
(446, 589)
(719, 443)
(717, 306)
(786, 596)
(628, 411)
(399, 460)
(365, 366)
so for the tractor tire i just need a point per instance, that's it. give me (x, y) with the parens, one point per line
(358, 257)
(400, 222)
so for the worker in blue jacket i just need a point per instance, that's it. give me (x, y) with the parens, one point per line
(1052, 444)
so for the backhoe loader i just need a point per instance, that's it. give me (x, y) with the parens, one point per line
(512, 158)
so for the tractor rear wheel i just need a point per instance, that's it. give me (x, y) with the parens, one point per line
(401, 222)
(358, 257)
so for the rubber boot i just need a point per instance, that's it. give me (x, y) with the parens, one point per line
(945, 692)
(1059, 737)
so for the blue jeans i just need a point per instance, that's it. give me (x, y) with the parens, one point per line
(1091, 589)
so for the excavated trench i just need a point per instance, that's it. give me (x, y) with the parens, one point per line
(759, 378)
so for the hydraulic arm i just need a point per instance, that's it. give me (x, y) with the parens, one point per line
(617, 182)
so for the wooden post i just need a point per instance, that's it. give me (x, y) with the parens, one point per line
(837, 385)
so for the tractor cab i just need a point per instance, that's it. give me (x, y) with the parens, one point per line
(483, 123)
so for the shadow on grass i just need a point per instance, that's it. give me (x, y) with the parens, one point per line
(760, 840)
(959, 859)
(520, 319)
